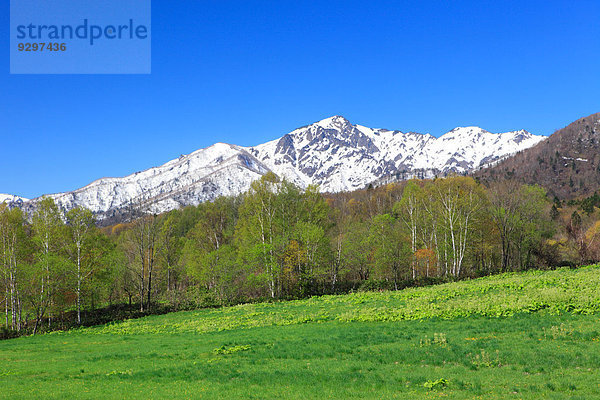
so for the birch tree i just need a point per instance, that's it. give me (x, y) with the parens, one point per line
(47, 225)
(145, 239)
(461, 200)
(81, 222)
(409, 210)
(257, 228)
(208, 252)
(171, 246)
(11, 236)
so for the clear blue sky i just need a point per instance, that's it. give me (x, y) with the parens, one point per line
(247, 71)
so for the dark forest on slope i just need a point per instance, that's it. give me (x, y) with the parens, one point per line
(567, 164)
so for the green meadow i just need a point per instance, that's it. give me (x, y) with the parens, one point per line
(525, 335)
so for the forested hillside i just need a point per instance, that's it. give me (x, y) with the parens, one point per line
(280, 242)
(567, 164)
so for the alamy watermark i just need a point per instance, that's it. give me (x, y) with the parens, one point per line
(80, 36)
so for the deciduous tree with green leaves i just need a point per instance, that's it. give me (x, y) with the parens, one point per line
(81, 223)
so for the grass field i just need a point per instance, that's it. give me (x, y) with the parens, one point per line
(515, 336)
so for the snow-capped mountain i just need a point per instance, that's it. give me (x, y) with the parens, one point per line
(340, 156)
(219, 170)
(332, 153)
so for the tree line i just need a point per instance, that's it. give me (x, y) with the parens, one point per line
(280, 242)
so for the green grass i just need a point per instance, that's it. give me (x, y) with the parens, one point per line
(515, 336)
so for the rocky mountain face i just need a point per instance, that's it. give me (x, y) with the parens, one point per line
(567, 164)
(332, 153)
(340, 156)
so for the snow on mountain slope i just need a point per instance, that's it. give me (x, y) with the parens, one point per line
(340, 156)
(332, 153)
(10, 199)
(219, 170)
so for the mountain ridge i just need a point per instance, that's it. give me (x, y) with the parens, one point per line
(381, 152)
(333, 153)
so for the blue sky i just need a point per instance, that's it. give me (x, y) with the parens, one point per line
(248, 71)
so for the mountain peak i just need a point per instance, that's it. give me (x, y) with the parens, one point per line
(337, 122)
(521, 135)
(468, 130)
